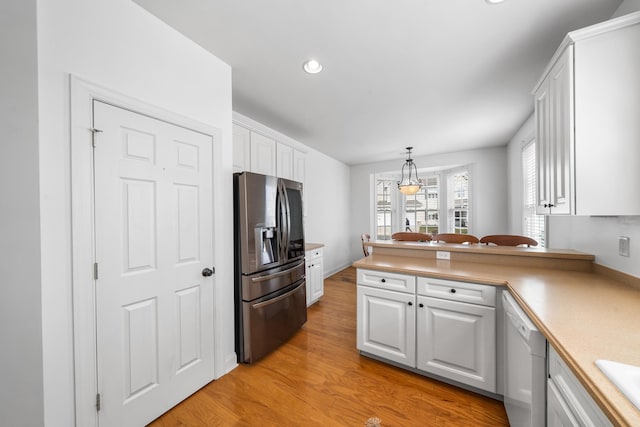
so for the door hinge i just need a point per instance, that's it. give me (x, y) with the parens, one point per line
(95, 271)
(93, 136)
(98, 402)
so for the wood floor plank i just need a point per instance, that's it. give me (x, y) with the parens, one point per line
(318, 378)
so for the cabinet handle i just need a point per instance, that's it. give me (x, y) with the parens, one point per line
(421, 305)
(410, 303)
(453, 291)
(383, 281)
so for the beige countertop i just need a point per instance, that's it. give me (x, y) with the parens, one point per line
(312, 246)
(585, 315)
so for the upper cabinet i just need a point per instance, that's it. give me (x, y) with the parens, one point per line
(284, 162)
(588, 135)
(263, 154)
(554, 124)
(255, 152)
(241, 148)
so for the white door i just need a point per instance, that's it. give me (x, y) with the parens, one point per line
(153, 238)
(386, 324)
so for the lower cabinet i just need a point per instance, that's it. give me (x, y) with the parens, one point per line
(387, 324)
(315, 275)
(568, 403)
(458, 341)
(437, 335)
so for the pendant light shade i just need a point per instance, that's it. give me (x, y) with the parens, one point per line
(411, 184)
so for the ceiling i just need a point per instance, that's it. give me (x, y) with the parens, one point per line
(438, 75)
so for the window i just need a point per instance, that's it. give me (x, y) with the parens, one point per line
(421, 209)
(441, 206)
(533, 225)
(384, 187)
(458, 206)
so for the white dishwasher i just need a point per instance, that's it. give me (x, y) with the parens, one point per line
(524, 367)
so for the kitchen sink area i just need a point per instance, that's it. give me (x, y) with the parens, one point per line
(625, 377)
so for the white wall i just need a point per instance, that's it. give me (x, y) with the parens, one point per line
(327, 196)
(117, 45)
(21, 396)
(514, 153)
(595, 235)
(488, 186)
(328, 183)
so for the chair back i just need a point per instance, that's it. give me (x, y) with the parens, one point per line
(508, 240)
(455, 238)
(365, 237)
(410, 236)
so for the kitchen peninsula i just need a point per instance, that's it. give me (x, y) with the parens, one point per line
(586, 312)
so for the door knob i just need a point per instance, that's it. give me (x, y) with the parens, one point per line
(207, 272)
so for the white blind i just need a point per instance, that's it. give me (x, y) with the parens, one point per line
(533, 225)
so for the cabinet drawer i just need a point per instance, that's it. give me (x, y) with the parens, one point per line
(384, 280)
(316, 253)
(457, 291)
(581, 404)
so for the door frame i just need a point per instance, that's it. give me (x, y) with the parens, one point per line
(82, 95)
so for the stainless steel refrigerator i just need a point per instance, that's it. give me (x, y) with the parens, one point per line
(270, 294)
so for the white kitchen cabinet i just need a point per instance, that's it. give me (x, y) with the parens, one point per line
(300, 175)
(315, 275)
(241, 148)
(554, 143)
(568, 403)
(457, 341)
(263, 154)
(587, 104)
(299, 166)
(386, 324)
(284, 161)
(451, 333)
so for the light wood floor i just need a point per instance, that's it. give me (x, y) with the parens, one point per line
(318, 378)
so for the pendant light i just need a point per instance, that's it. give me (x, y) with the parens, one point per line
(412, 184)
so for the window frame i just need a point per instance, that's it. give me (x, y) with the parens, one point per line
(529, 210)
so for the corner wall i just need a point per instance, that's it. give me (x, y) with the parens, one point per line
(117, 45)
(21, 396)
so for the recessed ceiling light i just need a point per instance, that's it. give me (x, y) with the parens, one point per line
(312, 66)
(494, 1)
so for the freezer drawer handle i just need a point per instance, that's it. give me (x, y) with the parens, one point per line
(274, 300)
(274, 275)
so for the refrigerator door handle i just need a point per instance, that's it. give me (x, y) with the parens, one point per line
(287, 227)
(283, 235)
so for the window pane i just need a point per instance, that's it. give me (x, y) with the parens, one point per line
(533, 225)
(420, 208)
(383, 209)
(459, 203)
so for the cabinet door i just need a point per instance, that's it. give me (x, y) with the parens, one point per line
(315, 276)
(299, 174)
(561, 132)
(386, 324)
(284, 162)
(542, 148)
(241, 149)
(555, 137)
(263, 154)
(457, 341)
(558, 412)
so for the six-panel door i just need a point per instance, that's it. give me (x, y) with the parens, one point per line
(153, 239)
